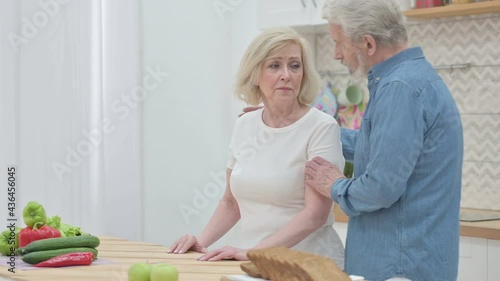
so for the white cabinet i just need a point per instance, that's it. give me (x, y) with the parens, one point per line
(479, 259)
(493, 260)
(289, 13)
(473, 259)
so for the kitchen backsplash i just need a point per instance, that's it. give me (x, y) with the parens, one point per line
(473, 40)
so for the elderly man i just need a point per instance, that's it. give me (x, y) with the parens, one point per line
(404, 199)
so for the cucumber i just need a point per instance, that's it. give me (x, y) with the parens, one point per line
(60, 243)
(39, 256)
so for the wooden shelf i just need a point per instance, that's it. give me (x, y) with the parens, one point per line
(454, 10)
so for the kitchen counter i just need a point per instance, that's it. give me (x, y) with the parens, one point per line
(116, 255)
(481, 229)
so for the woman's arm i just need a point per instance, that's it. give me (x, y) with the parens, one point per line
(225, 216)
(314, 215)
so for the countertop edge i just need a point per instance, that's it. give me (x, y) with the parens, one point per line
(483, 229)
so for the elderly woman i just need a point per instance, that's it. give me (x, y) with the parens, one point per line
(265, 192)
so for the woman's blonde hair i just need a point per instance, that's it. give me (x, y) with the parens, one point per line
(265, 45)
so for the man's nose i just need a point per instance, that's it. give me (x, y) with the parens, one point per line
(337, 54)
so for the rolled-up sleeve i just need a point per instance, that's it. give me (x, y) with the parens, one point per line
(391, 140)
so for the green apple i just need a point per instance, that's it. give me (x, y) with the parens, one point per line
(139, 272)
(164, 272)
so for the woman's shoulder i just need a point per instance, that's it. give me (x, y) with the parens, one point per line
(249, 117)
(322, 117)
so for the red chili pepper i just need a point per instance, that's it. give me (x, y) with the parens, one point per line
(28, 234)
(77, 258)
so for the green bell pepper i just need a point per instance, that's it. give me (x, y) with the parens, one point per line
(34, 213)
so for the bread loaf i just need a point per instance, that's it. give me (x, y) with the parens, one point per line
(284, 264)
(250, 269)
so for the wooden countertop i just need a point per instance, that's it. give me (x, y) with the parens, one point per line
(118, 254)
(481, 229)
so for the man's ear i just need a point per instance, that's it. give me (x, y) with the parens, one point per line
(370, 44)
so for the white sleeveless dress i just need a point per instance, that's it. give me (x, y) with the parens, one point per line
(267, 177)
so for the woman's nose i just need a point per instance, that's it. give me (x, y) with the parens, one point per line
(285, 75)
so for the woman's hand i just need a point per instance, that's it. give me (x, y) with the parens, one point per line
(225, 253)
(186, 243)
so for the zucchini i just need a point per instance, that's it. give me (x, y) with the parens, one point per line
(60, 243)
(39, 256)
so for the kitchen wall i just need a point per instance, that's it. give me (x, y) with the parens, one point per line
(188, 120)
(473, 40)
(67, 76)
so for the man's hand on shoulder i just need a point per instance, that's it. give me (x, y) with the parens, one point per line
(321, 175)
(249, 109)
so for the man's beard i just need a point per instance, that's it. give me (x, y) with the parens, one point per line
(361, 71)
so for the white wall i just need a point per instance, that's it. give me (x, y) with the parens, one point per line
(60, 77)
(188, 120)
(81, 71)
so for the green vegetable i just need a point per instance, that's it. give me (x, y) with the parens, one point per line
(65, 229)
(60, 243)
(34, 214)
(9, 241)
(39, 256)
(348, 169)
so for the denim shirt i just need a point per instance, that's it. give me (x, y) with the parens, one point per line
(403, 201)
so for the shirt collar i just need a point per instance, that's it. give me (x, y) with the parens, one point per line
(381, 69)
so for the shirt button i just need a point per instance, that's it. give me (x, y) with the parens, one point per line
(378, 78)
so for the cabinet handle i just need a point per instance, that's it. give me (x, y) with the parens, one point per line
(314, 3)
(303, 3)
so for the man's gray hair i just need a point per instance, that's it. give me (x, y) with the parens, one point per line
(381, 19)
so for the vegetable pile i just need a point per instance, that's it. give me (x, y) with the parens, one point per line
(47, 242)
(61, 251)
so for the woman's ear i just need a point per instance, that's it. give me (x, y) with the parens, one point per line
(256, 82)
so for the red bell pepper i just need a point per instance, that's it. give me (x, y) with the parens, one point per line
(77, 258)
(28, 234)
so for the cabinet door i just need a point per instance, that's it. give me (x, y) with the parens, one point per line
(493, 260)
(284, 12)
(473, 259)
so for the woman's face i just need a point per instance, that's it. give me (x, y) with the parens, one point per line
(281, 75)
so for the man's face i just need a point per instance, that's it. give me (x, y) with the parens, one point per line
(350, 54)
